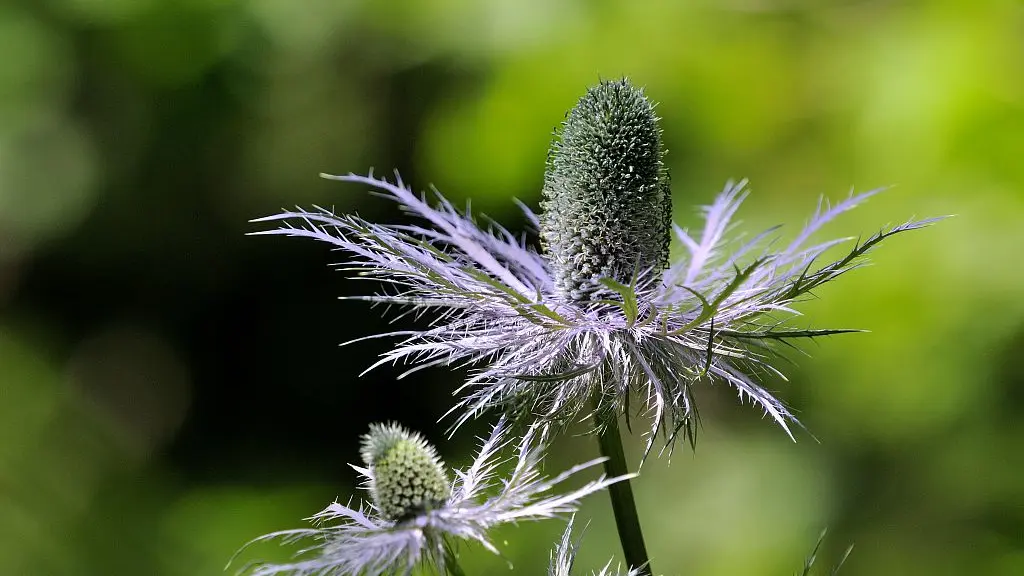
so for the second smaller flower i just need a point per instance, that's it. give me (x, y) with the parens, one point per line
(415, 515)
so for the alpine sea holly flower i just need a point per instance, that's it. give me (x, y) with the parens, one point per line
(415, 515)
(600, 316)
(406, 475)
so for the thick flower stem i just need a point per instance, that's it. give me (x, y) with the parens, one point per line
(626, 519)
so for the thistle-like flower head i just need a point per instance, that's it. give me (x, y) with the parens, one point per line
(415, 517)
(597, 319)
(607, 208)
(407, 476)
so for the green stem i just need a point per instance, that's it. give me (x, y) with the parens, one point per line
(626, 519)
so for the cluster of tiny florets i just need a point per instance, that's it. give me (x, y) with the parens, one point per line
(607, 204)
(408, 477)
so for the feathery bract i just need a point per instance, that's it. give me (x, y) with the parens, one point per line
(549, 342)
(370, 540)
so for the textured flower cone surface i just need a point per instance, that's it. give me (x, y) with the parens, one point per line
(607, 204)
(408, 477)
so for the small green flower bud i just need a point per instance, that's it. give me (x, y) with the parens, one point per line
(408, 476)
(607, 204)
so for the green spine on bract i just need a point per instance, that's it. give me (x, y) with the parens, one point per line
(408, 477)
(607, 204)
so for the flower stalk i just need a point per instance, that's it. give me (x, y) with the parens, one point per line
(627, 520)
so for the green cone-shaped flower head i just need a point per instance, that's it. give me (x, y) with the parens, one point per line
(407, 475)
(607, 204)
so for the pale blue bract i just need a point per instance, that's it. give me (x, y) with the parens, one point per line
(360, 540)
(716, 315)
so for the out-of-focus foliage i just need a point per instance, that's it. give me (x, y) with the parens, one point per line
(170, 388)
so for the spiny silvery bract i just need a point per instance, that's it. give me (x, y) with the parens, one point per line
(408, 476)
(607, 207)
(563, 557)
(368, 540)
(716, 315)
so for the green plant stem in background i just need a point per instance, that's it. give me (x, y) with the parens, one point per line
(626, 518)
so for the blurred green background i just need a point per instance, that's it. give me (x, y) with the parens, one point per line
(170, 388)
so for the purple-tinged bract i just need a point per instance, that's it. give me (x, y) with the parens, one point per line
(716, 315)
(368, 541)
